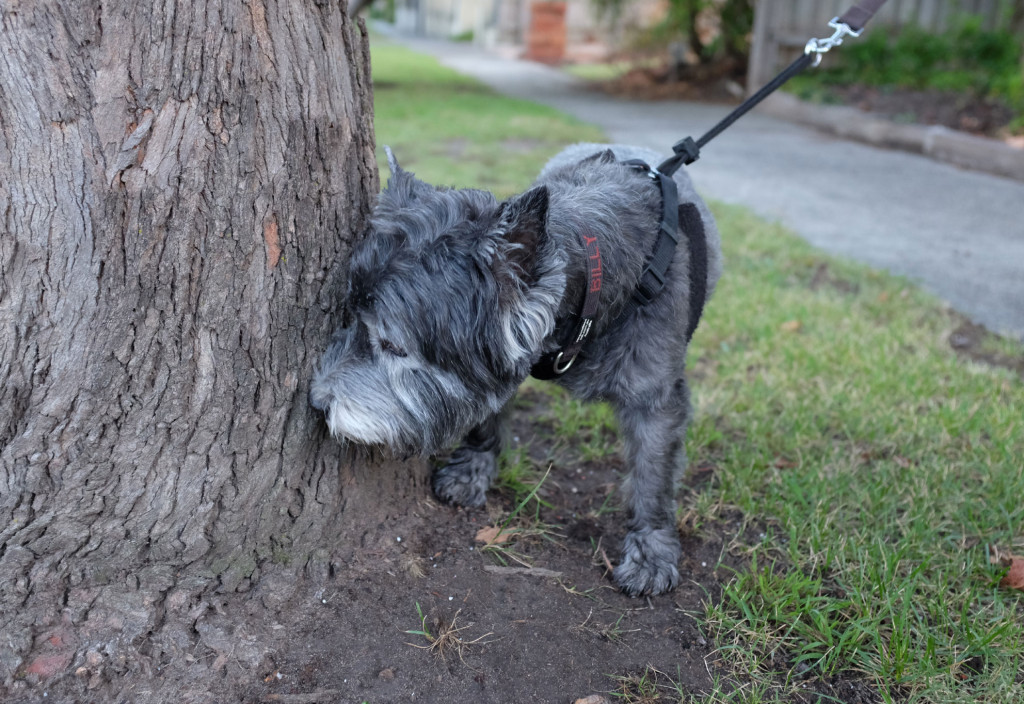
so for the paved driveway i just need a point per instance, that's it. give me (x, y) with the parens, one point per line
(959, 233)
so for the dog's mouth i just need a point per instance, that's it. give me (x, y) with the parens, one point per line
(347, 424)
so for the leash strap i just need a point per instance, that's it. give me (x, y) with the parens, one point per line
(693, 226)
(674, 216)
(860, 14)
(851, 23)
(652, 280)
(687, 150)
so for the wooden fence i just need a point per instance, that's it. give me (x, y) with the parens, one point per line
(782, 27)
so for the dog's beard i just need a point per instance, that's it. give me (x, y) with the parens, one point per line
(413, 413)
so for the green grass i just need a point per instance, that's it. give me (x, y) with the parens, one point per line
(873, 467)
(451, 130)
(882, 465)
(609, 70)
(965, 59)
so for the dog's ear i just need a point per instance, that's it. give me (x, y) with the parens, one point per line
(523, 223)
(401, 186)
(392, 161)
(603, 157)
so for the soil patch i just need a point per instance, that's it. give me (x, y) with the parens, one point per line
(421, 613)
(981, 116)
(716, 83)
(972, 341)
(538, 620)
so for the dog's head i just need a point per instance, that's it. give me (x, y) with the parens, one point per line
(450, 296)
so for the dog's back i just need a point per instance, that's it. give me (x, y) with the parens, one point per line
(572, 155)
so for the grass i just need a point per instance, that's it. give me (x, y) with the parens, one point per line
(518, 525)
(586, 430)
(878, 467)
(451, 130)
(640, 688)
(883, 465)
(651, 686)
(447, 640)
(609, 70)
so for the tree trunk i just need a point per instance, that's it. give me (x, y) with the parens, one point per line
(180, 188)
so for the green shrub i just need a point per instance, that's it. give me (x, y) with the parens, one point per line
(965, 58)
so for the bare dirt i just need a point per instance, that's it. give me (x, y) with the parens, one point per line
(985, 117)
(972, 341)
(721, 82)
(551, 628)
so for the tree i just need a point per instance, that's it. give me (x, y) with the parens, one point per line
(180, 190)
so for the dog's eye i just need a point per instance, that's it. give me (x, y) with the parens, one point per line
(392, 349)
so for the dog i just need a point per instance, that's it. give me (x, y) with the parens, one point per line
(454, 297)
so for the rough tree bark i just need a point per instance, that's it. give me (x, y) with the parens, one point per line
(179, 185)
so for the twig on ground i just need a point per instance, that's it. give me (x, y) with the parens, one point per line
(310, 698)
(532, 571)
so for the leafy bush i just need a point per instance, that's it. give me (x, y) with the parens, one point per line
(965, 58)
(731, 41)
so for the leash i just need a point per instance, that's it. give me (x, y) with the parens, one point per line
(851, 23)
(673, 215)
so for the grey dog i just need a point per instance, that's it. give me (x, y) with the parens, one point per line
(454, 297)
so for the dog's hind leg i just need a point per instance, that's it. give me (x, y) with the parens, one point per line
(654, 438)
(467, 476)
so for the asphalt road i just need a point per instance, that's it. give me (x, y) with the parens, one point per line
(958, 233)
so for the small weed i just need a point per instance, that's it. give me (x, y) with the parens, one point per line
(499, 546)
(572, 589)
(423, 630)
(648, 687)
(612, 632)
(589, 429)
(607, 506)
(518, 475)
(448, 639)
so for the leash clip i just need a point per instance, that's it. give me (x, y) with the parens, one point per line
(560, 367)
(820, 46)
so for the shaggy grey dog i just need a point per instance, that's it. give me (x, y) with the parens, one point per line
(454, 297)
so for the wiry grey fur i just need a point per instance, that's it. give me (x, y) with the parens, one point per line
(454, 296)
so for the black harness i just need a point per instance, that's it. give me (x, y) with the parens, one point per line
(653, 278)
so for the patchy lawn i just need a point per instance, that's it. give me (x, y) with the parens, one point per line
(854, 484)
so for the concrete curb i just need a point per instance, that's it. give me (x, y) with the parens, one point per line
(939, 143)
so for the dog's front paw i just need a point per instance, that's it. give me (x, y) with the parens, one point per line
(649, 562)
(465, 479)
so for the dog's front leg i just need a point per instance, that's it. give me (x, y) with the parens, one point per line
(654, 439)
(467, 476)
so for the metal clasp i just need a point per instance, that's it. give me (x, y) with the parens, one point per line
(820, 46)
(558, 367)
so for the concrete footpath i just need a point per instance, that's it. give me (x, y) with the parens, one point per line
(959, 233)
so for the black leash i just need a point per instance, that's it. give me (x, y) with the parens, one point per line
(686, 216)
(851, 23)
